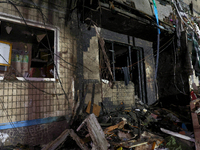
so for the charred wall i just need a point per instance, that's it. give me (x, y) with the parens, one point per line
(173, 75)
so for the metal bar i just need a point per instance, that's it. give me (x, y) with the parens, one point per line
(139, 79)
(142, 76)
(92, 100)
(113, 60)
(128, 66)
(127, 62)
(129, 48)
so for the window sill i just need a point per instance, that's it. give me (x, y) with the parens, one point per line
(35, 79)
(32, 79)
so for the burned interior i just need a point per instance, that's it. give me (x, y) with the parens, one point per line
(125, 59)
(32, 50)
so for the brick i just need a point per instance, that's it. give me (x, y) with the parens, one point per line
(18, 118)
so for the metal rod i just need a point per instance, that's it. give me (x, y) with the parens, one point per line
(92, 100)
(128, 67)
(142, 76)
(113, 60)
(139, 79)
(129, 49)
(127, 62)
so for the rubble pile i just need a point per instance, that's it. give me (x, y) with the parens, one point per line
(142, 127)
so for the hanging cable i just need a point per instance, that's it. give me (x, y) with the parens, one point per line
(181, 17)
(49, 49)
(45, 28)
(158, 37)
(56, 69)
(175, 71)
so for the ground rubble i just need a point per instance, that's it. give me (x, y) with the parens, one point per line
(143, 127)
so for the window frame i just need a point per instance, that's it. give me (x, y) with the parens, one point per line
(31, 23)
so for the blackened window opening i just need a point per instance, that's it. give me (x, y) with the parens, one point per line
(125, 56)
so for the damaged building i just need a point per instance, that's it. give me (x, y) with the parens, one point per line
(63, 60)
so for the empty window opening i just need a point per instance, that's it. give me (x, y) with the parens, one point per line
(125, 56)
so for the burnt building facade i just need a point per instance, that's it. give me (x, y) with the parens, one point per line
(67, 53)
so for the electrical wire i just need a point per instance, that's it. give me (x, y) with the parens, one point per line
(56, 69)
(157, 59)
(158, 37)
(175, 71)
(148, 55)
(59, 56)
(166, 46)
(35, 7)
(181, 17)
(50, 52)
(41, 42)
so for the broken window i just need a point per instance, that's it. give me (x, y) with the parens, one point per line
(125, 56)
(32, 51)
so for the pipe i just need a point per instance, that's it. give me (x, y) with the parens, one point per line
(113, 61)
(142, 77)
(129, 48)
(139, 77)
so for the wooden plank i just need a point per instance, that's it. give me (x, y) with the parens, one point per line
(57, 141)
(102, 44)
(79, 142)
(92, 99)
(129, 144)
(68, 132)
(84, 121)
(136, 144)
(96, 133)
(196, 125)
(119, 125)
